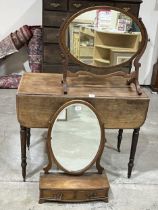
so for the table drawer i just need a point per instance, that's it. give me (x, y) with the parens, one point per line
(51, 35)
(51, 18)
(73, 195)
(55, 5)
(52, 54)
(78, 5)
(132, 8)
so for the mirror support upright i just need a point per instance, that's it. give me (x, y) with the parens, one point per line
(64, 57)
(137, 64)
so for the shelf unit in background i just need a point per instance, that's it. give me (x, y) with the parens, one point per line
(110, 48)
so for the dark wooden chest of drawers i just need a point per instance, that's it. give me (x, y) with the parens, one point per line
(55, 12)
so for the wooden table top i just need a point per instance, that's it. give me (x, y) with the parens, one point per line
(83, 86)
(40, 95)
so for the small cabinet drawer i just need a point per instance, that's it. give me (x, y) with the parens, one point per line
(51, 35)
(91, 195)
(51, 18)
(78, 5)
(52, 54)
(55, 5)
(58, 195)
(132, 8)
(75, 195)
(100, 3)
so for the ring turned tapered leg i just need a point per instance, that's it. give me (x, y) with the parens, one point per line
(119, 139)
(28, 134)
(23, 137)
(133, 150)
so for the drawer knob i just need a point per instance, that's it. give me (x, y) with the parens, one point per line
(77, 5)
(55, 5)
(126, 9)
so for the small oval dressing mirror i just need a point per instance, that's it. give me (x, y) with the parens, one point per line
(76, 137)
(103, 37)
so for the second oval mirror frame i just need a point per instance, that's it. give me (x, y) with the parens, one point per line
(104, 40)
(77, 142)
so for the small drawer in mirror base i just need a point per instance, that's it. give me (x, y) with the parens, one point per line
(66, 188)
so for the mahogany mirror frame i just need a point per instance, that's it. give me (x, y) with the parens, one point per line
(110, 70)
(51, 156)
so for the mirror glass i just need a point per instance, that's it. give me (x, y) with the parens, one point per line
(103, 37)
(76, 137)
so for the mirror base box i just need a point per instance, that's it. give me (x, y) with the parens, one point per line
(66, 188)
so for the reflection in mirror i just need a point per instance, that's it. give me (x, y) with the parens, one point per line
(76, 139)
(103, 37)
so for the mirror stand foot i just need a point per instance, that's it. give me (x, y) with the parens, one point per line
(136, 83)
(139, 91)
(64, 87)
(46, 169)
(99, 168)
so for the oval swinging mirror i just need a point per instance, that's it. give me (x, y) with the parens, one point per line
(76, 137)
(103, 37)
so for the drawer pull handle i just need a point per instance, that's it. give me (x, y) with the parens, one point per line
(95, 196)
(77, 5)
(57, 196)
(126, 9)
(55, 5)
(92, 195)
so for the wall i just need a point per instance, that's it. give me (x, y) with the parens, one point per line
(15, 13)
(149, 15)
